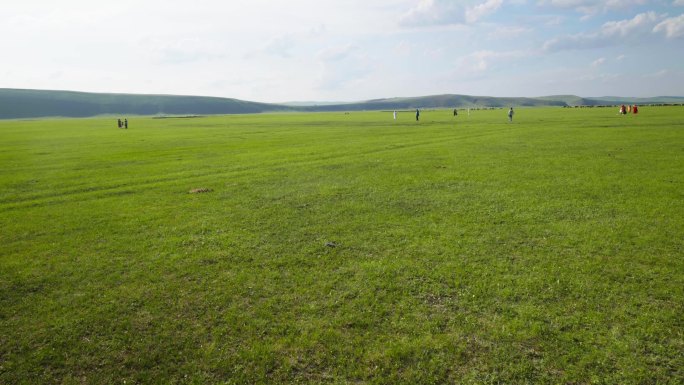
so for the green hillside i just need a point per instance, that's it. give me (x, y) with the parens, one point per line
(440, 101)
(21, 104)
(653, 100)
(467, 101)
(18, 103)
(570, 100)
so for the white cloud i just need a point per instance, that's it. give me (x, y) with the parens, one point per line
(183, 50)
(404, 48)
(553, 21)
(575, 80)
(280, 46)
(341, 67)
(672, 27)
(485, 60)
(625, 28)
(477, 12)
(508, 32)
(336, 53)
(611, 33)
(447, 12)
(434, 53)
(662, 74)
(591, 7)
(598, 62)
(335, 49)
(433, 12)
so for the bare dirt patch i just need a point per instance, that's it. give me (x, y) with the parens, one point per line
(200, 190)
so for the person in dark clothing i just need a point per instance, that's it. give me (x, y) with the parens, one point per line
(455, 112)
(417, 114)
(126, 123)
(119, 123)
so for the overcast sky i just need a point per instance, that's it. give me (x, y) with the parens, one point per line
(345, 50)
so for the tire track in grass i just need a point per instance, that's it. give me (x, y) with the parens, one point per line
(131, 187)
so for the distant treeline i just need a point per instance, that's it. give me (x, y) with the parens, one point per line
(22, 103)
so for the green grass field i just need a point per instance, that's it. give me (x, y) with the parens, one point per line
(339, 248)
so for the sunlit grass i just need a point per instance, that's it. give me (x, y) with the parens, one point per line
(337, 248)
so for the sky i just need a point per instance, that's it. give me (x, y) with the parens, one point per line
(345, 50)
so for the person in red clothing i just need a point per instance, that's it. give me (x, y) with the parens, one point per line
(635, 109)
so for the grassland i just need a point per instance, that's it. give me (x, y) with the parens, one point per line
(344, 248)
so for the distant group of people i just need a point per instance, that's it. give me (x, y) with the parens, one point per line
(628, 109)
(123, 124)
(510, 113)
(394, 114)
(624, 110)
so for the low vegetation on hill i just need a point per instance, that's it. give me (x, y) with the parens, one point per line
(36, 103)
(18, 104)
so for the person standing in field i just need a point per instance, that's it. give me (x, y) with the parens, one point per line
(119, 123)
(395, 114)
(417, 114)
(455, 112)
(510, 115)
(635, 109)
(126, 123)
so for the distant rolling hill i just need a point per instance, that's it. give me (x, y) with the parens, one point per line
(438, 101)
(467, 101)
(19, 103)
(22, 104)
